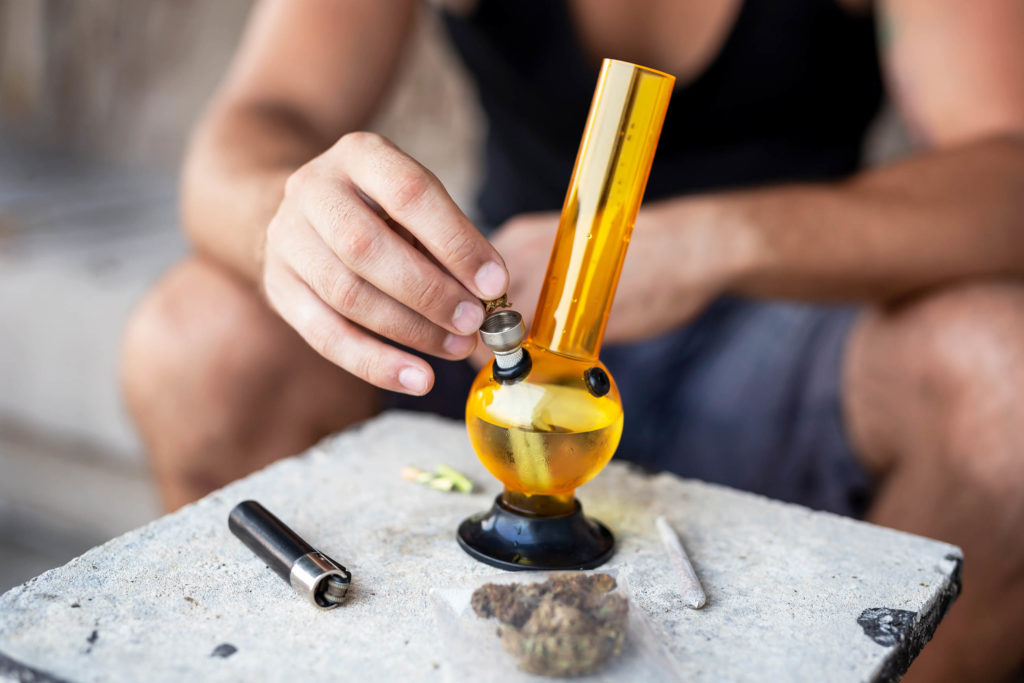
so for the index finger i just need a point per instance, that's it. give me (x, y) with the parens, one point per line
(414, 197)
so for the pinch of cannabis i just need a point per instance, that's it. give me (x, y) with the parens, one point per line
(495, 304)
(569, 625)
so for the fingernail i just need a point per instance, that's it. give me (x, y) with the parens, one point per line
(413, 379)
(457, 345)
(469, 315)
(491, 280)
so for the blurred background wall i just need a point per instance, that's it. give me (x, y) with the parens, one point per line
(96, 100)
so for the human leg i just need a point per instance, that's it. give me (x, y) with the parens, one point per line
(219, 386)
(935, 405)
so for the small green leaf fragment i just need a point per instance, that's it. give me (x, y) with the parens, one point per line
(444, 478)
(460, 481)
(440, 484)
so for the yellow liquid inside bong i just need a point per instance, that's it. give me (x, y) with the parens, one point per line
(547, 435)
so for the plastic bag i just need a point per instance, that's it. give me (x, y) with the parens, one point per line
(474, 651)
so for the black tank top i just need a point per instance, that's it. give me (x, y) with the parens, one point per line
(788, 97)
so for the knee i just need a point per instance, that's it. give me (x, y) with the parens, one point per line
(969, 341)
(965, 365)
(187, 342)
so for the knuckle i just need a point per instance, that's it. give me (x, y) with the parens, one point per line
(331, 214)
(358, 140)
(346, 294)
(298, 180)
(365, 366)
(359, 245)
(409, 188)
(458, 249)
(428, 294)
(318, 279)
(342, 213)
(409, 329)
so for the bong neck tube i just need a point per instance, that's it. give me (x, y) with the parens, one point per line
(600, 208)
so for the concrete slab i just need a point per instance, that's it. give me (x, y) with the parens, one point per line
(793, 594)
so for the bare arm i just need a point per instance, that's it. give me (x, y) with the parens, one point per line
(954, 211)
(353, 243)
(307, 72)
(943, 216)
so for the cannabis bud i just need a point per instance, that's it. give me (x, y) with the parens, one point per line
(495, 304)
(566, 626)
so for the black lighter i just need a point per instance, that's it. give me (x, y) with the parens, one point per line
(311, 573)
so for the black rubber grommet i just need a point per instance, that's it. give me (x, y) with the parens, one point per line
(598, 382)
(516, 372)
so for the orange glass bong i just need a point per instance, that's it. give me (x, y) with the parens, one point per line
(545, 416)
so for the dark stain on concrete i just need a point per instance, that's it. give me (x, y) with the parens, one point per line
(224, 650)
(899, 657)
(886, 626)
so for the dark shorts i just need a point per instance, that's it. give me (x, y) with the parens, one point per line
(748, 395)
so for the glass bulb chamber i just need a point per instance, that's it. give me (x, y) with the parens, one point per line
(548, 433)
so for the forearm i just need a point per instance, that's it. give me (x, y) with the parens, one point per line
(882, 235)
(234, 177)
(953, 213)
(306, 72)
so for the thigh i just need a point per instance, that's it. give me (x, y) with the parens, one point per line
(942, 365)
(206, 361)
(749, 395)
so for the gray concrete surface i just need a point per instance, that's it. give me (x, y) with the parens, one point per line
(793, 594)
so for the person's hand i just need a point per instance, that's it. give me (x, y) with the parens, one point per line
(678, 262)
(675, 266)
(367, 247)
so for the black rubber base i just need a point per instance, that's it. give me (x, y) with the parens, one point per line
(507, 539)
